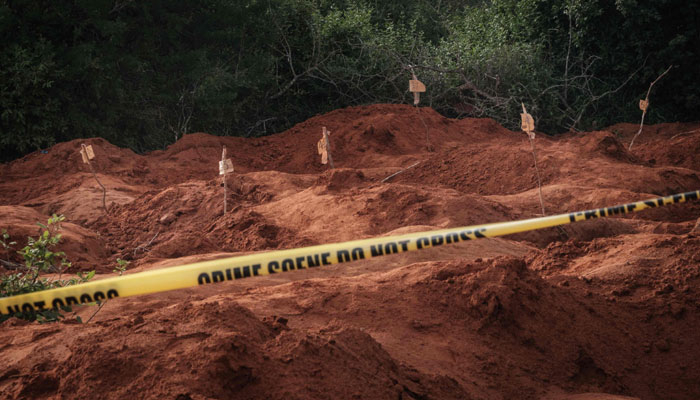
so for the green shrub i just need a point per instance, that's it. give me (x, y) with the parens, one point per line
(40, 257)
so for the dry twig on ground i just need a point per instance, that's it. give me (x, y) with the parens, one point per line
(144, 247)
(400, 172)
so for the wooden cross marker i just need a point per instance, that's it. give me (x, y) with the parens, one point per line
(88, 154)
(324, 148)
(225, 167)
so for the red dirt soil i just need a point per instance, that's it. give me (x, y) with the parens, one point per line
(603, 309)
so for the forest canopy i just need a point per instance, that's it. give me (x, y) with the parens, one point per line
(143, 73)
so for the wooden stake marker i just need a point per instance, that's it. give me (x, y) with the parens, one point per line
(88, 154)
(416, 87)
(324, 148)
(225, 168)
(644, 106)
(527, 124)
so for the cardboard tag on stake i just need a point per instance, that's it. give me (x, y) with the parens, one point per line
(643, 104)
(87, 153)
(527, 123)
(225, 166)
(416, 86)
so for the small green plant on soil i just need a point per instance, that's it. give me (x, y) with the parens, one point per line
(40, 257)
(121, 266)
(6, 244)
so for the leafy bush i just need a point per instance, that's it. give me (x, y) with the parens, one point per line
(40, 257)
(141, 74)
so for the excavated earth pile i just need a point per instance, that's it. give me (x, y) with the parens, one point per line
(602, 309)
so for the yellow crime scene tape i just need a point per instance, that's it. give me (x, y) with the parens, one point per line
(233, 268)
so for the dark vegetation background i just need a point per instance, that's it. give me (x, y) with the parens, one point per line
(142, 73)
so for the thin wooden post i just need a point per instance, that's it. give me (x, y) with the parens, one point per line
(527, 124)
(644, 105)
(223, 161)
(417, 87)
(88, 154)
(327, 140)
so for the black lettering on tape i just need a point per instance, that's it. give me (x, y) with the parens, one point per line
(85, 298)
(26, 307)
(217, 276)
(324, 258)
(590, 214)
(343, 256)
(358, 254)
(111, 293)
(273, 267)
(480, 233)
(436, 240)
(287, 264)
(376, 250)
(256, 269)
(572, 217)
(228, 274)
(300, 262)
(616, 210)
(57, 303)
(390, 248)
(99, 296)
(631, 207)
(203, 278)
(404, 245)
(650, 203)
(451, 238)
(691, 195)
(40, 305)
(71, 301)
(677, 198)
(422, 242)
(312, 262)
(464, 235)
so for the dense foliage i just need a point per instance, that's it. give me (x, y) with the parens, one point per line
(141, 74)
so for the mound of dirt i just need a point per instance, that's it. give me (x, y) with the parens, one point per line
(501, 168)
(245, 357)
(481, 320)
(188, 219)
(595, 310)
(663, 144)
(84, 248)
